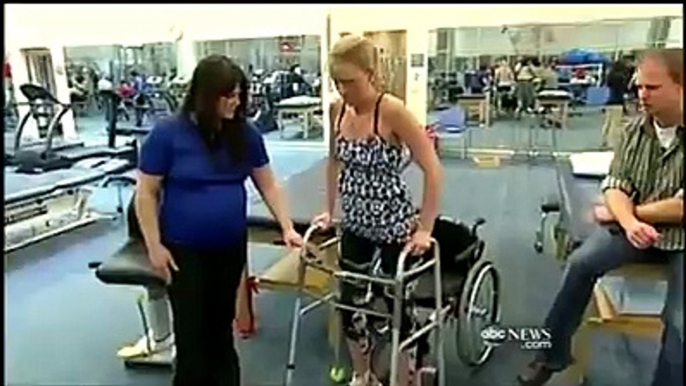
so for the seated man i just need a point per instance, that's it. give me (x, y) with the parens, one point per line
(644, 211)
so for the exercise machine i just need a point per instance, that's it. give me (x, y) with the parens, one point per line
(47, 112)
(45, 156)
(38, 207)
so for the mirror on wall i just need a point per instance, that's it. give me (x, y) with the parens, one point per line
(140, 77)
(560, 87)
(285, 73)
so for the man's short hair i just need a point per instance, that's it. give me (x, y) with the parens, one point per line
(671, 58)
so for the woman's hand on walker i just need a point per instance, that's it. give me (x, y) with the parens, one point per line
(322, 220)
(292, 239)
(419, 242)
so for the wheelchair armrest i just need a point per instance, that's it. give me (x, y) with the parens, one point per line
(477, 223)
(550, 204)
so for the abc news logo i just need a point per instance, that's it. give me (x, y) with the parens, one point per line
(530, 337)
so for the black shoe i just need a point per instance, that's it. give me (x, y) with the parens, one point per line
(535, 374)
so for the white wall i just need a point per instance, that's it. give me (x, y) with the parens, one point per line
(676, 33)
(430, 16)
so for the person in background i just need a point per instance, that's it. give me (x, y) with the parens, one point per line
(137, 81)
(618, 84)
(125, 90)
(503, 74)
(537, 69)
(641, 220)
(480, 80)
(526, 92)
(191, 203)
(105, 83)
(78, 94)
(504, 81)
(549, 77)
(105, 88)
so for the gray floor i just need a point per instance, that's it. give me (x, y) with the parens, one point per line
(63, 326)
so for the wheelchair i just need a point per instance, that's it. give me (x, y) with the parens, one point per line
(449, 284)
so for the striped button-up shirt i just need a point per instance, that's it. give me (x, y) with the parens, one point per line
(646, 172)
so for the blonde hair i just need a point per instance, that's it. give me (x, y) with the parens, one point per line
(361, 53)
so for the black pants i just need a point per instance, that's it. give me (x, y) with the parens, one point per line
(357, 254)
(203, 299)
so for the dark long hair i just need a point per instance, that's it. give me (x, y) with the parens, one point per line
(214, 77)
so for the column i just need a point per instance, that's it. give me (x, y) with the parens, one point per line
(62, 91)
(417, 72)
(186, 57)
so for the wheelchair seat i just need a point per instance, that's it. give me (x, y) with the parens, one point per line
(460, 249)
(424, 294)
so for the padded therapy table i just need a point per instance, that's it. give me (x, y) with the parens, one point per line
(303, 105)
(40, 206)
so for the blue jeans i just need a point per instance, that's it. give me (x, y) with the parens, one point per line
(604, 251)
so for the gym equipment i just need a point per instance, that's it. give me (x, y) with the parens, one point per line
(114, 103)
(41, 206)
(130, 266)
(306, 106)
(47, 112)
(45, 158)
(178, 87)
(426, 293)
(553, 107)
(260, 108)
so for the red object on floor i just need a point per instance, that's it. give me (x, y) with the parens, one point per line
(245, 323)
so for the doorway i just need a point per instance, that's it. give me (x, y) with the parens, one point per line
(40, 68)
(41, 73)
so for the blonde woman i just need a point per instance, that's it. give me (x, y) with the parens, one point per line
(370, 129)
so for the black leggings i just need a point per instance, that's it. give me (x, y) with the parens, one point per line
(357, 254)
(203, 298)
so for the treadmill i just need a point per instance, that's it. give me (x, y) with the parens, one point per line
(53, 155)
(47, 111)
(152, 102)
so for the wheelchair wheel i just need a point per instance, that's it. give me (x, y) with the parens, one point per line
(479, 308)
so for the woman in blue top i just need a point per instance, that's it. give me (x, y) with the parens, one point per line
(191, 205)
